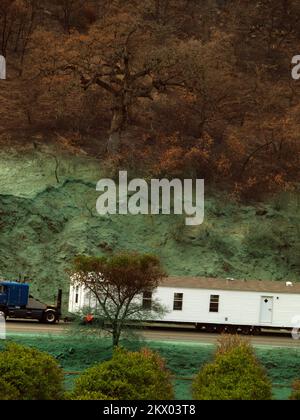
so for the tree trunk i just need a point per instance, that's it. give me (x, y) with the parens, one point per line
(114, 142)
(116, 127)
(116, 335)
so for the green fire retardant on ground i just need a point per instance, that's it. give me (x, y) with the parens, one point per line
(45, 223)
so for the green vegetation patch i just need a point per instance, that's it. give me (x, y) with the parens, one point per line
(45, 224)
(183, 359)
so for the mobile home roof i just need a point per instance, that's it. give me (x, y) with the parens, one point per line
(234, 285)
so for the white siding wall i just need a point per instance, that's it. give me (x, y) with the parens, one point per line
(285, 309)
(237, 308)
(84, 299)
(196, 302)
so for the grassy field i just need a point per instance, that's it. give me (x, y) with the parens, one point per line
(184, 359)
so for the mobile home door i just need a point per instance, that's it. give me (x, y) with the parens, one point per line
(266, 310)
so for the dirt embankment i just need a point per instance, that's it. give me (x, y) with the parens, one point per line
(47, 216)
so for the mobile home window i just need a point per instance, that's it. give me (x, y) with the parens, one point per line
(214, 303)
(147, 300)
(77, 294)
(178, 300)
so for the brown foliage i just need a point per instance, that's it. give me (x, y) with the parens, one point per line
(175, 88)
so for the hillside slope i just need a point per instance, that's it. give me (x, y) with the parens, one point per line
(45, 223)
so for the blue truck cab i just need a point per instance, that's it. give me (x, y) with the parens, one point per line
(14, 294)
(16, 302)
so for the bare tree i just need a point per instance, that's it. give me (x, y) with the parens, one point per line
(65, 12)
(126, 60)
(117, 284)
(17, 22)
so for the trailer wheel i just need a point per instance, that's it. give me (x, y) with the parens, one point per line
(49, 317)
(257, 331)
(246, 330)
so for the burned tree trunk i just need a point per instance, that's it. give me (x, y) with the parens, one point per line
(117, 125)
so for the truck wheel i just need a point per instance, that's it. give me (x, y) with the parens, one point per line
(3, 314)
(49, 317)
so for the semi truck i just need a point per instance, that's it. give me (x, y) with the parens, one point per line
(16, 302)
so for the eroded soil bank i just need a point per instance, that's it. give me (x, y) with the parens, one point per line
(48, 215)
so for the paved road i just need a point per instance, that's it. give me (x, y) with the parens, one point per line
(175, 335)
(31, 327)
(204, 338)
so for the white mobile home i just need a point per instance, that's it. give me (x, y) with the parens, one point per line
(218, 304)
